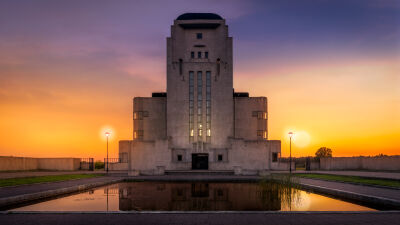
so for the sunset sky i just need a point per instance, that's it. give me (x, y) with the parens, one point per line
(69, 70)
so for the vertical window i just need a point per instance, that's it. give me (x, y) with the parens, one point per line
(208, 102)
(135, 115)
(192, 55)
(274, 157)
(265, 115)
(180, 66)
(218, 66)
(199, 36)
(199, 55)
(191, 105)
(179, 158)
(265, 135)
(260, 115)
(206, 55)
(220, 157)
(199, 103)
(140, 134)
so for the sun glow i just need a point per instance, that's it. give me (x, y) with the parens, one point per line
(300, 138)
(107, 130)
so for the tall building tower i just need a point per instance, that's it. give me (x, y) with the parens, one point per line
(199, 83)
(200, 122)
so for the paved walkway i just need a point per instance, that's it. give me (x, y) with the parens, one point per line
(276, 218)
(353, 188)
(5, 175)
(34, 188)
(382, 175)
(18, 194)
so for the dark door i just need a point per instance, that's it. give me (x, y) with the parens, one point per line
(199, 161)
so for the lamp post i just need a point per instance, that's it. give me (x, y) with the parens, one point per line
(107, 134)
(290, 158)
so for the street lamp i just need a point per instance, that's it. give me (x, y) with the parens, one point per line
(290, 159)
(107, 134)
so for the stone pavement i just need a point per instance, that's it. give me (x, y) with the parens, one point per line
(231, 218)
(5, 175)
(385, 198)
(373, 174)
(23, 193)
(361, 189)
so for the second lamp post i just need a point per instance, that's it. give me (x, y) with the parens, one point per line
(107, 134)
(290, 158)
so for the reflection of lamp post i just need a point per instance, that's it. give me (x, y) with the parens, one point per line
(107, 199)
(290, 159)
(107, 134)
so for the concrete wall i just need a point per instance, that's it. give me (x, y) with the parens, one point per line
(247, 122)
(154, 157)
(8, 163)
(150, 118)
(283, 166)
(361, 163)
(118, 166)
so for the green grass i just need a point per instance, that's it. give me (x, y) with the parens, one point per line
(351, 179)
(43, 179)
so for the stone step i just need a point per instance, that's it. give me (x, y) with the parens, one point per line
(199, 172)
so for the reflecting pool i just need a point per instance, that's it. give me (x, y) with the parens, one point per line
(189, 196)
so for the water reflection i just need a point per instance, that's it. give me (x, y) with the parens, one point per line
(196, 197)
(199, 196)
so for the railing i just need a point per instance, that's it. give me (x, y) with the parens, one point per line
(87, 164)
(115, 160)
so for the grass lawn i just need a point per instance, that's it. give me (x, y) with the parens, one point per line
(43, 179)
(351, 179)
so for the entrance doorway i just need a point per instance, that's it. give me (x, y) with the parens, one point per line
(199, 161)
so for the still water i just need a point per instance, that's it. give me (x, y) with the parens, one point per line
(199, 196)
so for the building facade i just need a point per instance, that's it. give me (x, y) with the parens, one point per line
(199, 123)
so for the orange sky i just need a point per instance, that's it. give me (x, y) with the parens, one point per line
(355, 114)
(66, 74)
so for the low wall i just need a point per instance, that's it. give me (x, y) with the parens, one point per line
(8, 163)
(117, 166)
(388, 163)
(285, 166)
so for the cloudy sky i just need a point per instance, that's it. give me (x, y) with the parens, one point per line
(69, 69)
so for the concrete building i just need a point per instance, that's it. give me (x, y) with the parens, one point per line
(200, 123)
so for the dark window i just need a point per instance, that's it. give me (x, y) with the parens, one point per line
(199, 36)
(139, 115)
(199, 55)
(274, 157)
(138, 134)
(192, 55)
(220, 157)
(218, 66)
(206, 55)
(180, 66)
(179, 157)
(179, 192)
(145, 113)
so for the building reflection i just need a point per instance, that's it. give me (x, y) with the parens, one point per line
(152, 196)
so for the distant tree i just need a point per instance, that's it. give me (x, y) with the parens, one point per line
(323, 152)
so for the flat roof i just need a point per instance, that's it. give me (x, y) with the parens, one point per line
(199, 16)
